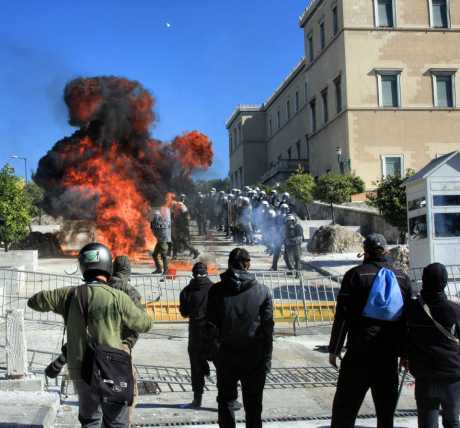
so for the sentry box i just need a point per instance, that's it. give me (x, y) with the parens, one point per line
(433, 207)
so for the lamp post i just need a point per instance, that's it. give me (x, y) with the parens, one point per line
(338, 152)
(25, 164)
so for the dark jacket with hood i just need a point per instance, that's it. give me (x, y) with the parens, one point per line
(431, 354)
(120, 281)
(193, 305)
(241, 311)
(367, 338)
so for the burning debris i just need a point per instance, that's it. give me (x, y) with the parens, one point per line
(110, 170)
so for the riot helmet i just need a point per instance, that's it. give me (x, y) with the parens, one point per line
(284, 209)
(95, 259)
(271, 214)
(286, 196)
(290, 218)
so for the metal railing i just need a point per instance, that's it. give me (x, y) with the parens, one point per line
(296, 299)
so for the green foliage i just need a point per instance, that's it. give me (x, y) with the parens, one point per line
(301, 185)
(35, 194)
(15, 208)
(337, 188)
(390, 199)
(204, 186)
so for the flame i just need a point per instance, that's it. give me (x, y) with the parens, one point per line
(110, 170)
(122, 213)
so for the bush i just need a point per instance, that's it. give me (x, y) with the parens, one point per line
(337, 188)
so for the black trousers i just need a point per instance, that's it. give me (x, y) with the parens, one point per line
(199, 368)
(230, 370)
(431, 395)
(357, 376)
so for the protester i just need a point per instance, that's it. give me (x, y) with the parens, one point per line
(375, 329)
(434, 350)
(193, 305)
(120, 281)
(108, 310)
(240, 317)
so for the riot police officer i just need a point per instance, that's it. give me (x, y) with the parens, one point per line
(293, 238)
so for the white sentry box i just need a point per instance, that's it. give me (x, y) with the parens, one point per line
(433, 206)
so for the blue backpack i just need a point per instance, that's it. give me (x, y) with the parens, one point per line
(385, 300)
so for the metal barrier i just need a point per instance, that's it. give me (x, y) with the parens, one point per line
(296, 299)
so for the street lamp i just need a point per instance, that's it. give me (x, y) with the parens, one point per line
(25, 164)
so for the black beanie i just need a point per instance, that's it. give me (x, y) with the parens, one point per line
(434, 278)
(200, 269)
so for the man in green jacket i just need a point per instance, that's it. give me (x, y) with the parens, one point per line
(109, 311)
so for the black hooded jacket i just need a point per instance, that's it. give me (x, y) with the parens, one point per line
(194, 300)
(241, 311)
(367, 338)
(431, 354)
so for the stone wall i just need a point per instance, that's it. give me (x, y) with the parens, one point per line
(367, 219)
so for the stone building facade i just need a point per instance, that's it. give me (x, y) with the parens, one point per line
(375, 94)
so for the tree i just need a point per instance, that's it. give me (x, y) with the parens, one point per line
(204, 186)
(301, 185)
(35, 194)
(334, 188)
(15, 208)
(390, 199)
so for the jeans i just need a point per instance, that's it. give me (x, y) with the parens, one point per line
(432, 395)
(94, 412)
(356, 377)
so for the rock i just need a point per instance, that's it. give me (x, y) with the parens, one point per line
(335, 239)
(400, 254)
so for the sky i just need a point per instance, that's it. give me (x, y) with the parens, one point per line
(199, 58)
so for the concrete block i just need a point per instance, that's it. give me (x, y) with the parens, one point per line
(28, 409)
(28, 384)
(15, 258)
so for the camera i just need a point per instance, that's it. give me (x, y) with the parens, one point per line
(55, 367)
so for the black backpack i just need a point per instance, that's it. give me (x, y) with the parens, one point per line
(108, 371)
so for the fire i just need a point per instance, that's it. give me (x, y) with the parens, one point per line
(111, 171)
(121, 212)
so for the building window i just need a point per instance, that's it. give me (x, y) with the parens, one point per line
(311, 53)
(235, 138)
(240, 134)
(297, 102)
(389, 88)
(384, 13)
(447, 225)
(338, 94)
(325, 106)
(392, 165)
(306, 91)
(439, 13)
(231, 143)
(297, 145)
(313, 115)
(335, 20)
(270, 126)
(278, 118)
(289, 152)
(322, 35)
(241, 177)
(288, 109)
(443, 85)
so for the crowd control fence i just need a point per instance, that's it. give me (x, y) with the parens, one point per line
(298, 300)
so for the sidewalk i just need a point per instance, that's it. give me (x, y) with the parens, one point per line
(410, 422)
(332, 264)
